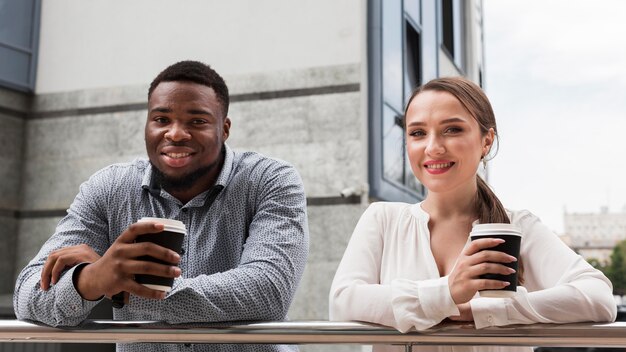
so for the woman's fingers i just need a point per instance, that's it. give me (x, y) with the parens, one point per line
(489, 268)
(489, 256)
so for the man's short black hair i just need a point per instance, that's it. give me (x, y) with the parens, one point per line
(196, 72)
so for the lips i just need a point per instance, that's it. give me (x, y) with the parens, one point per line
(176, 156)
(438, 167)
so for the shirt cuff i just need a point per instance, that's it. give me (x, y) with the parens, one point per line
(489, 312)
(421, 304)
(65, 288)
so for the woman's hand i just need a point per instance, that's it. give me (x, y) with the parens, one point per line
(465, 313)
(464, 280)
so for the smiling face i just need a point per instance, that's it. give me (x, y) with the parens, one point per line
(444, 142)
(185, 133)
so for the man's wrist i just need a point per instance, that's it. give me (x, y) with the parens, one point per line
(81, 283)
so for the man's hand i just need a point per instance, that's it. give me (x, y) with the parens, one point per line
(464, 280)
(115, 271)
(62, 259)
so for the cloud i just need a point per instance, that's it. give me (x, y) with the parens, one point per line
(556, 76)
(558, 42)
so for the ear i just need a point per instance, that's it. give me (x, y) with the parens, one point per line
(226, 128)
(488, 139)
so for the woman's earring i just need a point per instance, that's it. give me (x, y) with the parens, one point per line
(482, 158)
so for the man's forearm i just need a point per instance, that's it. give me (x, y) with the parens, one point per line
(248, 293)
(60, 305)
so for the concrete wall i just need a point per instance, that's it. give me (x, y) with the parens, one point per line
(82, 47)
(13, 107)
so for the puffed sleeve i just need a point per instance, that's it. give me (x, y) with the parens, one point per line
(560, 286)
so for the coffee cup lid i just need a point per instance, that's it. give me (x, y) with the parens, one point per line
(170, 224)
(488, 229)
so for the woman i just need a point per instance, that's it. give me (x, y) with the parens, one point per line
(412, 266)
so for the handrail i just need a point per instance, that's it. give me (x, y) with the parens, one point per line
(318, 332)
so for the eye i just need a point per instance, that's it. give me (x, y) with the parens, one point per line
(198, 121)
(161, 119)
(453, 130)
(417, 133)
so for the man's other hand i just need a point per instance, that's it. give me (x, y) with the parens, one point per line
(65, 258)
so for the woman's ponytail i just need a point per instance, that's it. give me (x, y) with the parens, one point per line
(491, 210)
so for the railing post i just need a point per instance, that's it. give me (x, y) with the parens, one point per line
(408, 347)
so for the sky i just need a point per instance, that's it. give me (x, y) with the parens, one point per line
(555, 72)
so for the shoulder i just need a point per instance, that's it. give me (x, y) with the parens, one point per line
(257, 167)
(137, 166)
(522, 217)
(129, 172)
(388, 210)
(530, 224)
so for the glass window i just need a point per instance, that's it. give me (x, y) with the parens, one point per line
(393, 146)
(398, 36)
(413, 61)
(452, 30)
(19, 39)
(392, 52)
(447, 26)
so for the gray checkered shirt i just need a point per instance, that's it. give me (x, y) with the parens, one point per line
(243, 257)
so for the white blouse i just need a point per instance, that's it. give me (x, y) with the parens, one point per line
(388, 276)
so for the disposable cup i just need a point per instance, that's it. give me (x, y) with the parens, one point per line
(512, 237)
(171, 237)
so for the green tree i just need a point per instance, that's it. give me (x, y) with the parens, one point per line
(616, 270)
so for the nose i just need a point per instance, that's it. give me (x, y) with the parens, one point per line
(177, 132)
(435, 145)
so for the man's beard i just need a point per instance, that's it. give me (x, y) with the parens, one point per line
(184, 182)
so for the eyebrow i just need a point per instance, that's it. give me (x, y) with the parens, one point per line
(446, 121)
(165, 110)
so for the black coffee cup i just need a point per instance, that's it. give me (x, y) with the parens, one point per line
(171, 237)
(512, 237)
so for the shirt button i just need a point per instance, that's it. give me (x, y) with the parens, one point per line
(185, 210)
(490, 319)
(182, 251)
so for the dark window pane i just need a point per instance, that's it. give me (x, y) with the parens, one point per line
(16, 21)
(14, 66)
(393, 146)
(413, 60)
(392, 53)
(447, 25)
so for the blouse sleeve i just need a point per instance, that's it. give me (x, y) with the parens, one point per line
(560, 286)
(357, 294)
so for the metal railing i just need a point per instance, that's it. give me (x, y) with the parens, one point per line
(318, 332)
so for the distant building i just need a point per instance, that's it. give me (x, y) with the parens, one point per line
(593, 235)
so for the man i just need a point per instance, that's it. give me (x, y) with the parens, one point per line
(247, 235)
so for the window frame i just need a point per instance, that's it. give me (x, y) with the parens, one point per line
(32, 52)
(429, 32)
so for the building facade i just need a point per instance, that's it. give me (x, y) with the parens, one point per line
(593, 235)
(318, 83)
